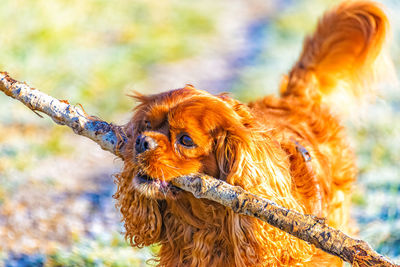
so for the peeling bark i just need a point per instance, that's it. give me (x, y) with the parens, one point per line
(113, 139)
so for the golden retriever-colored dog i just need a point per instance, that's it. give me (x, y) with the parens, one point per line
(291, 150)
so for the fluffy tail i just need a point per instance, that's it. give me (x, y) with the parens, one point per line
(345, 52)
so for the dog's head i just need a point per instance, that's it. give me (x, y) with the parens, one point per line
(181, 132)
(188, 131)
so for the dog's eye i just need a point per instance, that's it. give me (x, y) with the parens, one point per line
(185, 140)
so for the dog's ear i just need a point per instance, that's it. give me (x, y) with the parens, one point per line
(227, 151)
(142, 217)
(257, 165)
(249, 158)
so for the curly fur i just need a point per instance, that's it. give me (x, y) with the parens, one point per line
(255, 146)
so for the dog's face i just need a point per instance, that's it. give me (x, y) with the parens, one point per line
(181, 132)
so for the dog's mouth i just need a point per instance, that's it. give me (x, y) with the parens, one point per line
(149, 184)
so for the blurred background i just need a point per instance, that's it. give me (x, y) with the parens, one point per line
(56, 205)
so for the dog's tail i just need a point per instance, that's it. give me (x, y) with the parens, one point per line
(345, 52)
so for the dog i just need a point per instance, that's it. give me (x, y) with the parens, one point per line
(290, 149)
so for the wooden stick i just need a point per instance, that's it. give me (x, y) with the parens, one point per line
(108, 136)
(113, 139)
(309, 228)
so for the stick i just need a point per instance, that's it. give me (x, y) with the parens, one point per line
(113, 139)
(309, 228)
(106, 135)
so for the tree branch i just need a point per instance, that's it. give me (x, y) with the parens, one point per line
(113, 139)
(108, 136)
(309, 228)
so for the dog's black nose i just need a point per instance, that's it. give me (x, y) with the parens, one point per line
(144, 143)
